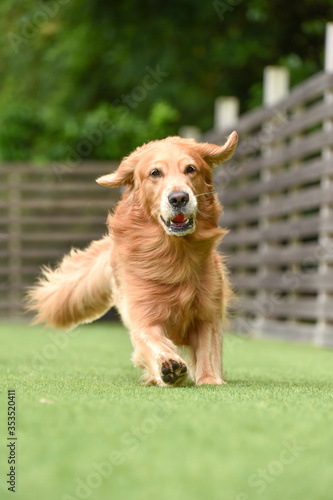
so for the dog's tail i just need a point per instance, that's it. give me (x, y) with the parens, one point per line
(77, 291)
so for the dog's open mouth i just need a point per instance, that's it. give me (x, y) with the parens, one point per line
(180, 224)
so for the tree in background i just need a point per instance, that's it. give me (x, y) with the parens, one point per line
(108, 76)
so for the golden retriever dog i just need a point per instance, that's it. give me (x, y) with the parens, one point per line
(158, 265)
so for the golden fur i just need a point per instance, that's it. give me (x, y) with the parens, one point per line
(169, 285)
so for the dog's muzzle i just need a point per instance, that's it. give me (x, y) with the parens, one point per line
(179, 213)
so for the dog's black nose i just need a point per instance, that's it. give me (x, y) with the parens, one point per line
(178, 199)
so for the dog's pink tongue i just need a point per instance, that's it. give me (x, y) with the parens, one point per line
(180, 217)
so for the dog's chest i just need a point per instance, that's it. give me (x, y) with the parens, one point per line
(173, 296)
(185, 301)
(190, 305)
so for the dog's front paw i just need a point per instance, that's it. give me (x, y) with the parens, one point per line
(173, 372)
(210, 381)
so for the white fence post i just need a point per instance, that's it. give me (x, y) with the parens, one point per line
(188, 132)
(226, 113)
(275, 89)
(329, 48)
(14, 242)
(276, 84)
(326, 212)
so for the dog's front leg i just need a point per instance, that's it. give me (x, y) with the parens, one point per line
(207, 354)
(158, 357)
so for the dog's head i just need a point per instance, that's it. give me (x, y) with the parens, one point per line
(171, 177)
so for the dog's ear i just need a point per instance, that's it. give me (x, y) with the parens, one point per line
(122, 176)
(214, 154)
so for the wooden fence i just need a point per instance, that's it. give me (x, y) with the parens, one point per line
(44, 211)
(277, 194)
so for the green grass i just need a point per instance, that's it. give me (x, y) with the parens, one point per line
(225, 443)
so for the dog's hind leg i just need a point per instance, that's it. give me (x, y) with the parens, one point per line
(158, 357)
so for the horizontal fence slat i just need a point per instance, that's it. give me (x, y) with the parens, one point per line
(5, 270)
(57, 203)
(66, 236)
(10, 304)
(305, 146)
(275, 231)
(41, 253)
(288, 330)
(295, 177)
(308, 90)
(307, 309)
(290, 281)
(55, 187)
(303, 309)
(314, 115)
(302, 200)
(286, 128)
(295, 331)
(309, 253)
(274, 329)
(55, 220)
(60, 168)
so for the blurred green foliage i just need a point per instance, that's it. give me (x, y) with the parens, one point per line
(143, 67)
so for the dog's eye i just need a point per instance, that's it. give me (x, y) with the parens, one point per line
(155, 173)
(190, 169)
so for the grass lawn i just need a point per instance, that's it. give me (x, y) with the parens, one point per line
(87, 429)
